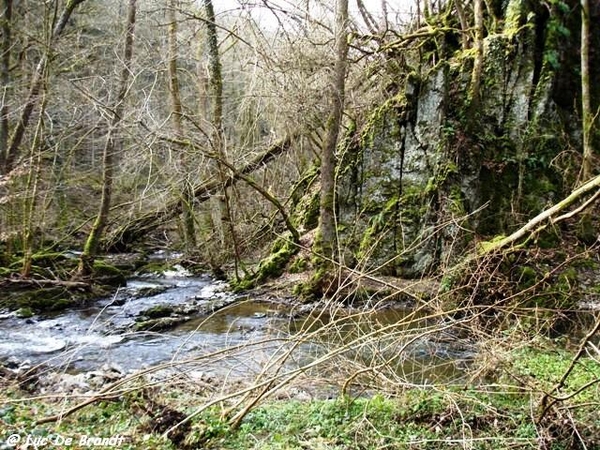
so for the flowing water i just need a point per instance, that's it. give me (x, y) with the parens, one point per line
(102, 334)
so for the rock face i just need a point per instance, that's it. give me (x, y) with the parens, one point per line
(428, 172)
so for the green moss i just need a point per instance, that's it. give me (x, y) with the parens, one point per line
(456, 203)
(310, 218)
(319, 285)
(243, 284)
(274, 264)
(271, 266)
(377, 225)
(299, 265)
(154, 267)
(486, 246)
(379, 117)
(526, 276)
(158, 311)
(24, 312)
(567, 278)
(513, 18)
(63, 303)
(41, 300)
(107, 274)
(586, 263)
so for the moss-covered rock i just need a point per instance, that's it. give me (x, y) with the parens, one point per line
(24, 312)
(104, 273)
(298, 265)
(159, 324)
(158, 311)
(154, 267)
(42, 300)
(275, 264)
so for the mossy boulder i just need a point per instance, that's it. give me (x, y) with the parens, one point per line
(109, 275)
(24, 312)
(159, 324)
(158, 311)
(150, 291)
(126, 262)
(42, 300)
(299, 265)
(272, 266)
(275, 264)
(154, 267)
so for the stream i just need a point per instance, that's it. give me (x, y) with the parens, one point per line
(107, 333)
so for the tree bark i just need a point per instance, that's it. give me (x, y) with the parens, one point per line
(327, 229)
(113, 143)
(586, 108)
(217, 138)
(5, 79)
(475, 91)
(464, 24)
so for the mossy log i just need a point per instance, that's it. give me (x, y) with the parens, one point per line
(537, 223)
(11, 283)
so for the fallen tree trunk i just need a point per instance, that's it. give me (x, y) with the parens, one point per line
(546, 215)
(12, 283)
(131, 232)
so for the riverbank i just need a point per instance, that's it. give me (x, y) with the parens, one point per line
(143, 411)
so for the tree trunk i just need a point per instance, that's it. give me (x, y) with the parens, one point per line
(464, 24)
(475, 91)
(217, 137)
(327, 228)
(31, 203)
(5, 79)
(586, 108)
(189, 229)
(113, 143)
(33, 97)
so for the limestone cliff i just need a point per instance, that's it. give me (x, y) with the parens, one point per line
(427, 173)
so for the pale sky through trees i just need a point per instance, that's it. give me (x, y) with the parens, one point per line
(397, 10)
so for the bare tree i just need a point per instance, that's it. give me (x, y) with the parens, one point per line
(334, 124)
(586, 108)
(217, 135)
(189, 229)
(37, 80)
(112, 145)
(5, 77)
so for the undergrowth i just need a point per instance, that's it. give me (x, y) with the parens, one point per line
(496, 414)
